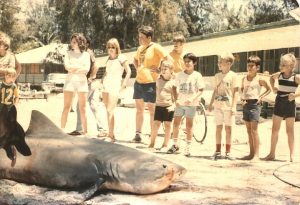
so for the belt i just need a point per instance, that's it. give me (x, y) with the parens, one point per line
(221, 98)
(251, 101)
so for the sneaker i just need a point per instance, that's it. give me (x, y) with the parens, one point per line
(228, 156)
(187, 151)
(173, 149)
(102, 133)
(216, 156)
(137, 138)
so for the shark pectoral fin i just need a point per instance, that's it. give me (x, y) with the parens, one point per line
(22, 147)
(90, 192)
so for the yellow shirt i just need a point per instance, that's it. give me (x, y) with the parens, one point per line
(148, 57)
(178, 61)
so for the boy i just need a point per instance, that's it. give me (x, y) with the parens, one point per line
(7, 58)
(224, 99)
(9, 96)
(177, 53)
(187, 90)
(251, 100)
(9, 92)
(164, 110)
(285, 106)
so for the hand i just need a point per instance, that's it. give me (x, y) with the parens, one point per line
(154, 69)
(243, 102)
(209, 108)
(291, 96)
(233, 111)
(171, 108)
(275, 90)
(188, 102)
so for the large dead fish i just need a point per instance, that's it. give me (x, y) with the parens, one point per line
(62, 161)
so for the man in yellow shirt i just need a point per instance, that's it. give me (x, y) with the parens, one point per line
(177, 53)
(147, 62)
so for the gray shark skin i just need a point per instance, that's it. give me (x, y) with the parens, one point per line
(62, 161)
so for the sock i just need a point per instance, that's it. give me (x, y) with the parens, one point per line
(175, 141)
(218, 147)
(138, 132)
(228, 146)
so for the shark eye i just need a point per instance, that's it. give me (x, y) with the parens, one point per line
(164, 166)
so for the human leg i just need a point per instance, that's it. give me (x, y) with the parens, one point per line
(68, 98)
(111, 105)
(139, 119)
(154, 131)
(250, 141)
(290, 133)
(93, 100)
(274, 137)
(167, 125)
(151, 109)
(82, 98)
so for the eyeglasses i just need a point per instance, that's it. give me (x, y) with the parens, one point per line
(111, 47)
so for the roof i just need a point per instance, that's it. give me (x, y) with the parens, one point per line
(264, 37)
(38, 55)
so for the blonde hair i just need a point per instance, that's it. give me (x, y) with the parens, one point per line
(167, 64)
(227, 57)
(4, 39)
(290, 59)
(115, 43)
(10, 71)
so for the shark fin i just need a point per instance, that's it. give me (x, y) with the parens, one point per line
(90, 192)
(39, 123)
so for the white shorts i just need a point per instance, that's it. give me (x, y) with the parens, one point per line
(76, 83)
(112, 87)
(223, 117)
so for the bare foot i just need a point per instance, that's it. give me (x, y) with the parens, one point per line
(248, 157)
(269, 158)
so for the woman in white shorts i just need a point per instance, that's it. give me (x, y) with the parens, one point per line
(77, 63)
(112, 81)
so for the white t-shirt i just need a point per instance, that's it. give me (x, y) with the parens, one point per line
(115, 69)
(225, 83)
(187, 86)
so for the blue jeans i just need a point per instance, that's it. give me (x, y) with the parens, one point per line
(93, 100)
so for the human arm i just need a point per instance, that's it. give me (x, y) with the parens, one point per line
(267, 90)
(273, 77)
(16, 94)
(77, 64)
(128, 74)
(292, 96)
(213, 96)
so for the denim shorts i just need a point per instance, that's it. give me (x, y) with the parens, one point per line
(147, 92)
(186, 111)
(251, 111)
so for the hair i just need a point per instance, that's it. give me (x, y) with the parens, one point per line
(254, 59)
(190, 56)
(115, 43)
(290, 58)
(10, 71)
(227, 57)
(168, 64)
(4, 40)
(146, 30)
(179, 38)
(81, 40)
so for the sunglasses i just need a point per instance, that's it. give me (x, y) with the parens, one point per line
(111, 47)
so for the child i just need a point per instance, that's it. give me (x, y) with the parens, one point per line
(285, 107)
(188, 87)
(177, 53)
(9, 96)
(251, 100)
(164, 101)
(9, 90)
(224, 99)
(7, 58)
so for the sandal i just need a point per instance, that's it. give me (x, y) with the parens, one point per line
(75, 133)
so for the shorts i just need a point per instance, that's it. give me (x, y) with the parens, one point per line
(186, 111)
(251, 111)
(76, 83)
(162, 114)
(223, 117)
(284, 108)
(147, 92)
(112, 87)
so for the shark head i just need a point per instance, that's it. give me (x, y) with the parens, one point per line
(142, 174)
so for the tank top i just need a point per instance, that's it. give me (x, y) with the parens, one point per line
(286, 85)
(251, 88)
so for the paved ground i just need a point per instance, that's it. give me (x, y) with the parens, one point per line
(206, 182)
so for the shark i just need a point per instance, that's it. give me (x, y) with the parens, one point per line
(62, 161)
